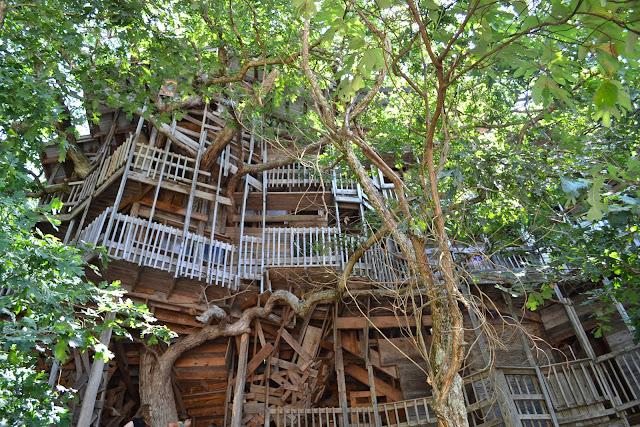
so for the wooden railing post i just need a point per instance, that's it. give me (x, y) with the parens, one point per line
(505, 401)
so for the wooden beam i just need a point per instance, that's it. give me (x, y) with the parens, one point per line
(379, 322)
(95, 378)
(175, 209)
(295, 346)
(342, 385)
(374, 357)
(384, 388)
(241, 375)
(121, 360)
(259, 358)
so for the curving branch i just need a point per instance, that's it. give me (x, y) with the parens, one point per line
(242, 326)
(326, 112)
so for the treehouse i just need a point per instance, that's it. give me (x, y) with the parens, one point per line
(191, 220)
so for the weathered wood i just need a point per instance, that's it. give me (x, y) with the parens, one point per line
(90, 393)
(218, 145)
(352, 347)
(121, 360)
(532, 361)
(175, 209)
(342, 385)
(236, 412)
(259, 358)
(380, 322)
(294, 344)
(382, 387)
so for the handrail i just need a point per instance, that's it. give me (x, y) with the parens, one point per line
(158, 246)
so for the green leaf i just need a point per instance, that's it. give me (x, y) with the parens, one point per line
(383, 4)
(357, 83)
(572, 188)
(357, 43)
(624, 99)
(582, 52)
(563, 95)
(534, 300)
(373, 59)
(61, 351)
(519, 72)
(607, 94)
(630, 42)
(536, 92)
(593, 198)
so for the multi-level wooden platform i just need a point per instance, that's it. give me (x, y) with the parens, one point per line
(186, 231)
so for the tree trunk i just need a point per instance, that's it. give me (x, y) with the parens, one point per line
(453, 412)
(81, 164)
(156, 389)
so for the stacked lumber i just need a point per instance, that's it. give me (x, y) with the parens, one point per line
(287, 365)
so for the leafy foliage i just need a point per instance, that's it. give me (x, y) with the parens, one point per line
(527, 110)
(49, 311)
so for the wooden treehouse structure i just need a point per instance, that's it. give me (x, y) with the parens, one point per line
(159, 201)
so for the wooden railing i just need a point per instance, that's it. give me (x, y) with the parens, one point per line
(345, 187)
(302, 247)
(507, 259)
(293, 175)
(148, 161)
(105, 167)
(609, 385)
(583, 392)
(250, 263)
(412, 412)
(382, 263)
(165, 248)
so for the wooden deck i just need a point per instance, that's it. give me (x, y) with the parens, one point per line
(584, 393)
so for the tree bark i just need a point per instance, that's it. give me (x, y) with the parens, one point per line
(81, 164)
(3, 12)
(215, 149)
(156, 389)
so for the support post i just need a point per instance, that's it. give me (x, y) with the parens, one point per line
(624, 315)
(342, 385)
(196, 167)
(575, 323)
(367, 359)
(244, 200)
(91, 392)
(532, 361)
(236, 414)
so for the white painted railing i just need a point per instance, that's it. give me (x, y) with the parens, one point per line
(412, 412)
(250, 264)
(507, 259)
(148, 161)
(344, 186)
(382, 263)
(81, 190)
(165, 248)
(293, 175)
(302, 247)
